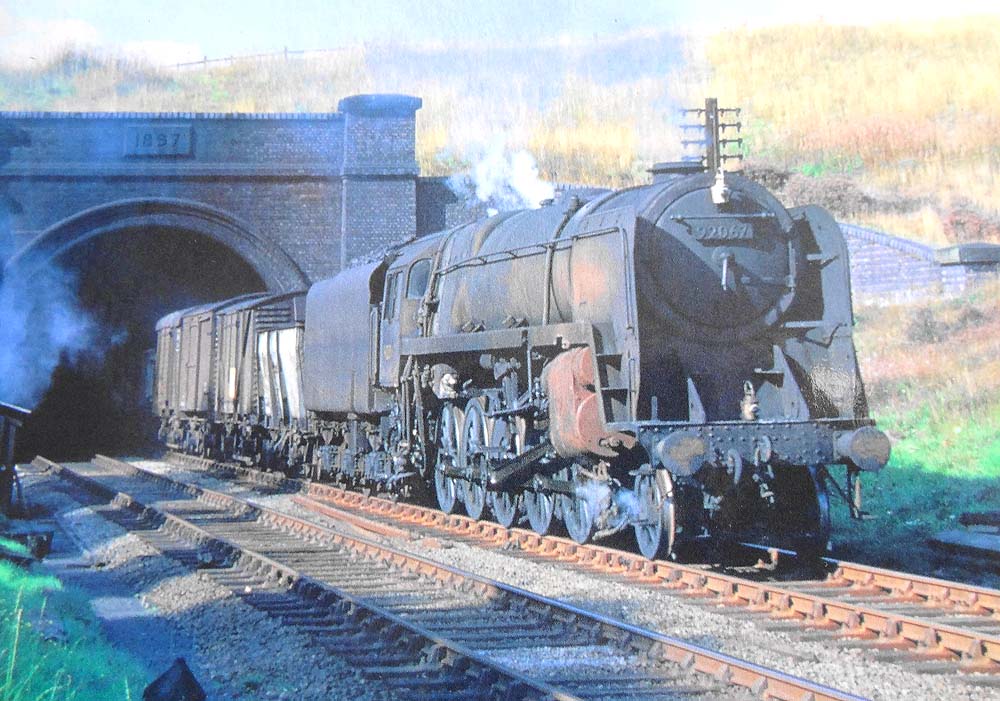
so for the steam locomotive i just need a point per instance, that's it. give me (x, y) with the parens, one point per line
(674, 358)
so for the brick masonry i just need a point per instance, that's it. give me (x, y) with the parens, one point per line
(887, 268)
(294, 194)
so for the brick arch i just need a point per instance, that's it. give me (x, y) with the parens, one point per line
(274, 266)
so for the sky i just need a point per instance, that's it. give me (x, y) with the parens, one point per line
(168, 31)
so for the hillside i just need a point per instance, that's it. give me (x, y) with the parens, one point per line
(901, 120)
(932, 371)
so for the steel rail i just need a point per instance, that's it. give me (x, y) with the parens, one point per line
(301, 584)
(877, 583)
(913, 638)
(651, 645)
(928, 640)
(929, 590)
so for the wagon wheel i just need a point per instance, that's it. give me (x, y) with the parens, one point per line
(656, 523)
(579, 514)
(449, 440)
(507, 442)
(473, 458)
(199, 441)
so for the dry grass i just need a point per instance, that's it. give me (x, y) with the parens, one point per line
(923, 225)
(581, 127)
(600, 135)
(935, 363)
(885, 93)
(910, 108)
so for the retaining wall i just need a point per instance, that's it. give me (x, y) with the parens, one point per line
(886, 268)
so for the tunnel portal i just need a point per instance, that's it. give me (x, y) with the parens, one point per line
(125, 281)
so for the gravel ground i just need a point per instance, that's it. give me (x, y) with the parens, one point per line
(851, 670)
(234, 650)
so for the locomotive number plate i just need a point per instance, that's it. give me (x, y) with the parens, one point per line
(158, 140)
(722, 231)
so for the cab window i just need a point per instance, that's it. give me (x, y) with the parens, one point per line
(391, 290)
(420, 274)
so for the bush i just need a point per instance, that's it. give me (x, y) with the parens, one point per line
(924, 327)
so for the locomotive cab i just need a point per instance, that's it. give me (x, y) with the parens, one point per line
(407, 282)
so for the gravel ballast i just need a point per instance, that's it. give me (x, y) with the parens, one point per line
(852, 670)
(234, 650)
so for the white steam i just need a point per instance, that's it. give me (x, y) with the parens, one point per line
(628, 504)
(502, 181)
(41, 325)
(597, 495)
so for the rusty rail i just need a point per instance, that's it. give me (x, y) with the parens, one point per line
(892, 613)
(868, 626)
(651, 646)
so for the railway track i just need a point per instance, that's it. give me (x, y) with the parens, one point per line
(428, 630)
(929, 625)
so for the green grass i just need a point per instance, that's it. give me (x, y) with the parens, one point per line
(51, 648)
(932, 370)
(910, 501)
(15, 547)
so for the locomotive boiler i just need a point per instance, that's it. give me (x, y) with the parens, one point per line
(675, 358)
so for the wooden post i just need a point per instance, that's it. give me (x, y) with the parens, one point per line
(11, 418)
(6, 465)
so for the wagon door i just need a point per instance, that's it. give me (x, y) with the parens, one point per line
(289, 354)
(225, 389)
(176, 380)
(230, 376)
(264, 376)
(162, 399)
(279, 395)
(190, 343)
(206, 362)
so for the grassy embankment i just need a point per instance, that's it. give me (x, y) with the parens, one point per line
(933, 377)
(51, 648)
(912, 109)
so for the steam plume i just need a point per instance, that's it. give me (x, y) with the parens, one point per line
(40, 324)
(502, 181)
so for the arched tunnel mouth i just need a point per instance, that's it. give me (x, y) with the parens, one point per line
(99, 400)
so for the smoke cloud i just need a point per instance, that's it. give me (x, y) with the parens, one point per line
(41, 325)
(502, 181)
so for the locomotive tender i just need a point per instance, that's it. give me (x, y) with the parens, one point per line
(675, 358)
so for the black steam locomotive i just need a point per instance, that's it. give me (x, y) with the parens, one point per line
(674, 358)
